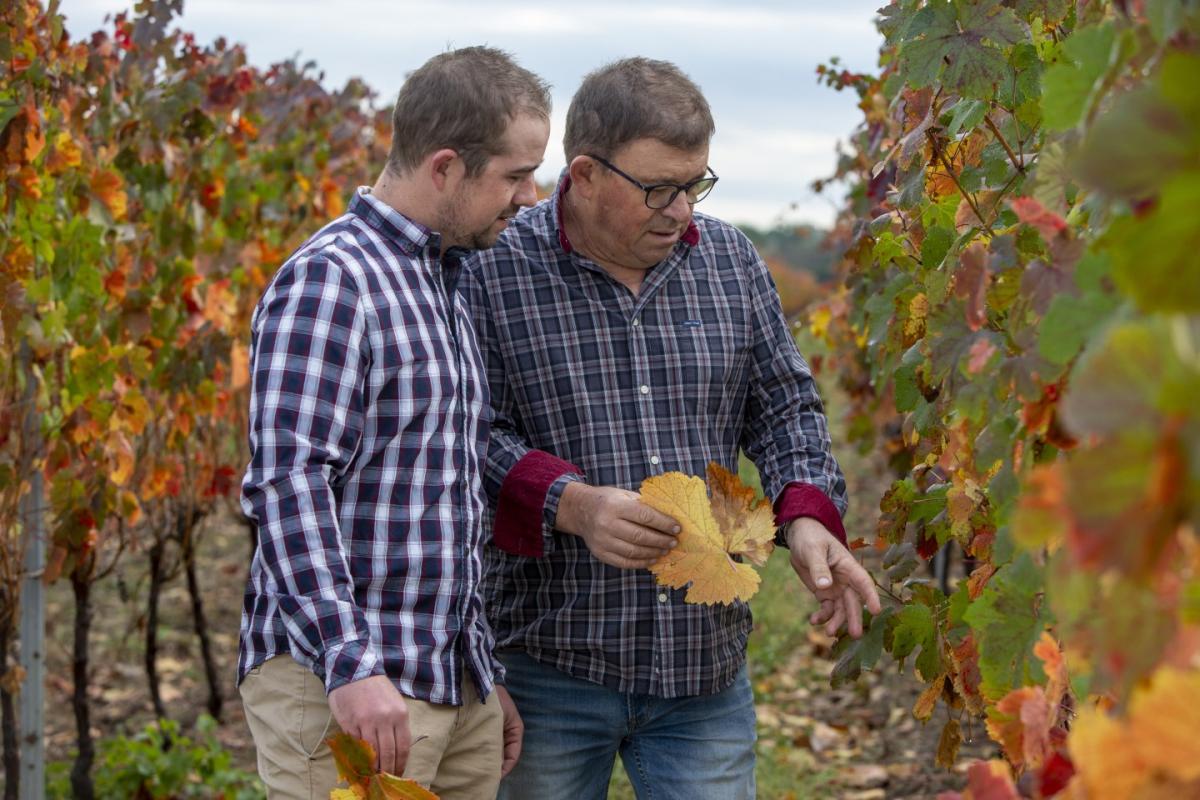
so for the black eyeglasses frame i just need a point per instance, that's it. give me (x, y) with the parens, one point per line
(652, 187)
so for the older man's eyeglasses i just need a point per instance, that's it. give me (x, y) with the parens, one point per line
(661, 195)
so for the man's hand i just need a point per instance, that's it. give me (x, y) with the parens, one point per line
(833, 575)
(373, 710)
(514, 731)
(617, 527)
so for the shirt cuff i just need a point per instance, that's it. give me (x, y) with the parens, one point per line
(522, 518)
(805, 500)
(351, 661)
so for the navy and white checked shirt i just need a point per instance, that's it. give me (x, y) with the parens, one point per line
(589, 380)
(369, 420)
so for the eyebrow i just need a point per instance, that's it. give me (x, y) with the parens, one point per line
(654, 181)
(519, 170)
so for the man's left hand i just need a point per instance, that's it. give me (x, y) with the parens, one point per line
(514, 731)
(832, 574)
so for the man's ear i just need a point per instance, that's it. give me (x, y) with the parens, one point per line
(583, 172)
(444, 168)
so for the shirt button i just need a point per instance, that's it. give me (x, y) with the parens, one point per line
(636, 322)
(654, 460)
(645, 389)
(662, 597)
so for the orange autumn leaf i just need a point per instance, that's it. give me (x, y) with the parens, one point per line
(990, 780)
(108, 186)
(704, 555)
(923, 708)
(1023, 721)
(355, 759)
(966, 152)
(737, 509)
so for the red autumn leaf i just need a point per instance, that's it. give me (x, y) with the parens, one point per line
(1033, 213)
(971, 281)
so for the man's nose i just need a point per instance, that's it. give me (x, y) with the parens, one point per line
(526, 193)
(680, 210)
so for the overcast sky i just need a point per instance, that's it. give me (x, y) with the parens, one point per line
(755, 61)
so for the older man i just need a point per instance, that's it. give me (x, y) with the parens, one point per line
(369, 421)
(625, 336)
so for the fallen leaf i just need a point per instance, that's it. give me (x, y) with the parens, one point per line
(865, 776)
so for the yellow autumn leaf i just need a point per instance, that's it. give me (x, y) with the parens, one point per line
(918, 312)
(355, 760)
(704, 554)
(1166, 724)
(1154, 750)
(121, 452)
(66, 154)
(819, 321)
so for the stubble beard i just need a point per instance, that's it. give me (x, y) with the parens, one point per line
(453, 227)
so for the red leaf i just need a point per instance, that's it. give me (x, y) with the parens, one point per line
(971, 281)
(1033, 213)
(1055, 775)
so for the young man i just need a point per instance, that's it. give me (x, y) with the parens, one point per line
(369, 423)
(625, 337)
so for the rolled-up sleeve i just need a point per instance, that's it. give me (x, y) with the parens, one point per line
(309, 356)
(524, 484)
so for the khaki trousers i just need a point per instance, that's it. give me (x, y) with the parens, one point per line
(456, 751)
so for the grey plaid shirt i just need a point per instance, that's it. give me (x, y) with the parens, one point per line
(590, 381)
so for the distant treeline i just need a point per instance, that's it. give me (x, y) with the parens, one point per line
(800, 247)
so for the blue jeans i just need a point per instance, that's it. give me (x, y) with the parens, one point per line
(692, 748)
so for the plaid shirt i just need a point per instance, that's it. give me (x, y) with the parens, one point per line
(369, 421)
(591, 382)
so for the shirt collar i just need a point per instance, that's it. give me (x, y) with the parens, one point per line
(691, 237)
(410, 236)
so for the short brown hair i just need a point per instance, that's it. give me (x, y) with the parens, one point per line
(636, 98)
(463, 100)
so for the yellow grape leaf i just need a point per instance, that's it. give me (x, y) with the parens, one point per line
(703, 556)
(355, 759)
(1154, 750)
(1165, 719)
(393, 788)
(918, 312)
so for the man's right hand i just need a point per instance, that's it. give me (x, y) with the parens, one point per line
(373, 710)
(617, 527)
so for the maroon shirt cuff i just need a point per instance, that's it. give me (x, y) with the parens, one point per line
(805, 500)
(519, 521)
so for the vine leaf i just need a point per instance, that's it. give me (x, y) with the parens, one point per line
(1155, 746)
(959, 45)
(712, 533)
(355, 759)
(1007, 620)
(1067, 86)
